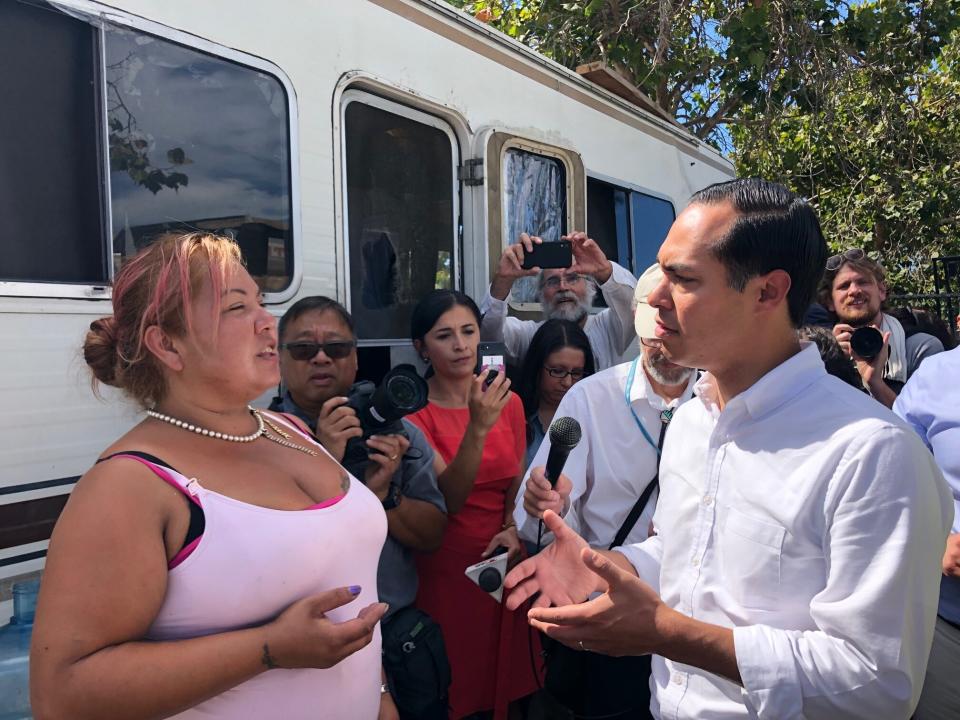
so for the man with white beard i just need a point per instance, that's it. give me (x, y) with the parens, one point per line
(608, 492)
(565, 294)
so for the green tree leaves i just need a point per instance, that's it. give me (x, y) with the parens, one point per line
(854, 104)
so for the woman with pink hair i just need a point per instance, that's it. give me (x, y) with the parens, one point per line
(215, 562)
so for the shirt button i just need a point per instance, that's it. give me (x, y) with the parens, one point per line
(708, 500)
(695, 562)
(678, 679)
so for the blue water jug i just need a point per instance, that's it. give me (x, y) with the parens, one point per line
(15, 653)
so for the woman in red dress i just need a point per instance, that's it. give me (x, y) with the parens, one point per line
(479, 434)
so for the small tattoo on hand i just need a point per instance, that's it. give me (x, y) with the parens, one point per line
(267, 659)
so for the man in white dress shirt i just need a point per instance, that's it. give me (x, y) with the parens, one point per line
(566, 294)
(795, 568)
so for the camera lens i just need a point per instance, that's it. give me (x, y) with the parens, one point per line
(403, 392)
(866, 342)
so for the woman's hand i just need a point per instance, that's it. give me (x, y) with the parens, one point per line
(486, 404)
(303, 636)
(505, 538)
(388, 708)
(383, 463)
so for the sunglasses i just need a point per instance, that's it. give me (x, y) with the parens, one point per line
(569, 279)
(561, 373)
(853, 254)
(303, 351)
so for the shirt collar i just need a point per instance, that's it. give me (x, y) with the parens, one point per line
(288, 406)
(642, 390)
(781, 384)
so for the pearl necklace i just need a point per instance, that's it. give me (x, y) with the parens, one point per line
(212, 433)
(281, 438)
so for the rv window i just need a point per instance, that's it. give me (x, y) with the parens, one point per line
(629, 225)
(197, 142)
(608, 219)
(50, 200)
(651, 218)
(534, 202)
(400, 216)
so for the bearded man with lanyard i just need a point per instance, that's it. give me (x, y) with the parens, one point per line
(608, 492)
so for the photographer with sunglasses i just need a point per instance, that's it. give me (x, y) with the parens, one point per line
(318, 366)
(854, 290)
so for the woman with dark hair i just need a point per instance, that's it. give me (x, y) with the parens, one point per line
(476, 426)
(215, 562)
(559, 356)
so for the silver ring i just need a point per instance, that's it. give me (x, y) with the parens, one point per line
(582, 648)
(393, 457)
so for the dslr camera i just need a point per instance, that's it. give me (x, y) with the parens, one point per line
(380, 408)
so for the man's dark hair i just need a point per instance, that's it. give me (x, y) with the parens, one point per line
(776, 230)
(309, 304)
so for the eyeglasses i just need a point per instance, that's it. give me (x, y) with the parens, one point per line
(561, 373)
(335, 350)
(853, 254)
(568, 279)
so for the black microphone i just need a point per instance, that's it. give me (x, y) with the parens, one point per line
(564, 435)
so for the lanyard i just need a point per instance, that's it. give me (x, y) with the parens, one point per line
(664, 416)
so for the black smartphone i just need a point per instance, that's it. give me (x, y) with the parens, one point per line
(491, 376)
(491, 355)
(549, 255)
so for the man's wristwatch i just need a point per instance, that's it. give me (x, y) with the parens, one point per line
(393, 498)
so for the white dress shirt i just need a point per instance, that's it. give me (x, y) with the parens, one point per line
(613, 463)
(811, 520)
(610, 331)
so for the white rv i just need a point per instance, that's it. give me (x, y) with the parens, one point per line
(369, 150)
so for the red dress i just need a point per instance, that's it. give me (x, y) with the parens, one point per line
(488, 646)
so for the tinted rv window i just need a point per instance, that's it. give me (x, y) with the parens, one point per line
(400, 210)
(651, 218)
(608, 219)
(50, 197)
(534, 202)
(197, 142)
(629, 225)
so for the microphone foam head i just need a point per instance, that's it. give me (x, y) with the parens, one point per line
(565, 431)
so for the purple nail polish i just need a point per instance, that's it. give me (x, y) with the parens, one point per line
(354, 589)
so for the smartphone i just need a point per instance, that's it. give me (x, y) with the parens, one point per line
(491, 355)
(549, 255)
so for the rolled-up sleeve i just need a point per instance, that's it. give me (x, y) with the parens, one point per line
(872, 625)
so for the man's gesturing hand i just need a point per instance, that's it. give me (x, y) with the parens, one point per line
(557, 573)
(622, 621)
